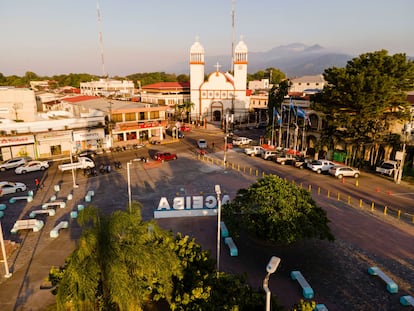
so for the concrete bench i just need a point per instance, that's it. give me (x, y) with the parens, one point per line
(233, 248)
(54, 204)
(306, 288)
(320, 307)
(50, 212)
(224, 230)
(54, 233)
(392, 287)
(407, 300)
(33, 224)
(27, 198)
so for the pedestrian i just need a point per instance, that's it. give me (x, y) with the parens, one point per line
(37, 183)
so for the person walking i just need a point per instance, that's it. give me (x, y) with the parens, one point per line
(37, 183)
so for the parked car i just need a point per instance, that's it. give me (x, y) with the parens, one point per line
(202, 143)
(240, 141)
(7, 187)
(283, 159)
(320, 166)
(12, 163)
(175, 132)
(32, 166)
(185, 128)
(388, 168)
(165, 156)
(300, 162)
(269, 154)
(87, 153)
(344, 171)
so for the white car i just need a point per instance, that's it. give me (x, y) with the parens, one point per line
(320, 166)
(8, 187)
(240, 141)
(32, 166)
(202, 143)
(12, 163)
(344, 171)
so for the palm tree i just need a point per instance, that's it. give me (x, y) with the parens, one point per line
(121, 263)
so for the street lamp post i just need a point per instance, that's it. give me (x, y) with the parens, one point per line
(3, 251)
(218, 192)
(270, 268)
(75, 185)
(129, 185)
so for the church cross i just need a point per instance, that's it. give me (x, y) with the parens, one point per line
(217, 67)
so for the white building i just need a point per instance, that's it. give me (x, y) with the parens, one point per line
(306, 85)
(109, 88)
(222, 93)
(17, 104)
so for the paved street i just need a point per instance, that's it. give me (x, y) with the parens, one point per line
(187, 176)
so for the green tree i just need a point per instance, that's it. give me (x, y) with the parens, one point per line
(362, 101)
(121, 263)
(275, 210)
(202, 288)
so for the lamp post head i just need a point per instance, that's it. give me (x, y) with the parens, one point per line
(217, 189)
(273, 264)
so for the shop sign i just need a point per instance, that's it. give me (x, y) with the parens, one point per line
(16, 140)
(189, 206)
(52, 135)
(88, 135)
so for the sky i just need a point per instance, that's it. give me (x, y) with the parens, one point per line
(52, 37)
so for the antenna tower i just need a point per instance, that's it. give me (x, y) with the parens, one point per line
(232, 35)
(100, 40)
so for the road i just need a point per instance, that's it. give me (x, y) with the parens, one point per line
(186, 176)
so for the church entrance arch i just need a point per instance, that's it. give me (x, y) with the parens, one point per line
(216, 111)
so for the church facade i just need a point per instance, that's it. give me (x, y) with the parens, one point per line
(222, 94)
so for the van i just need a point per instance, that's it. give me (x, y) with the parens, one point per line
(269, 154)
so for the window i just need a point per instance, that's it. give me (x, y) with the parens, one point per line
(117, 117)
(130, 116)
(142, 115)
(154, 115)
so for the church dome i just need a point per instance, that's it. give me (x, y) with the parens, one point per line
(241, 47)
(197, 48)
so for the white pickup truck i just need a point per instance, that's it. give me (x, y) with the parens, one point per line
(388, 168)
(253, 151)
(83, 162)
(240, 141)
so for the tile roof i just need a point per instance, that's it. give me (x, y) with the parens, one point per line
(77, 99)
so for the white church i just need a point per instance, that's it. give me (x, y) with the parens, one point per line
(222, 94)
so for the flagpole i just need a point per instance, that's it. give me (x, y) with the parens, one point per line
(296, 129)
(280, 125)
(288, 128)
(273, 125)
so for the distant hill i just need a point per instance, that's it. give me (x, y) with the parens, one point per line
(294, 60)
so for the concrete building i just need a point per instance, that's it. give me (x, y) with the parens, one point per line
(109, 88)
(221, 93)
(306, 85)
(18, 104)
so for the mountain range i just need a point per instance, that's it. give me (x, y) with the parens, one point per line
(294, 60)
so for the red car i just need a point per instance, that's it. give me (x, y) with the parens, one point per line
(185, 128)
(165, 156)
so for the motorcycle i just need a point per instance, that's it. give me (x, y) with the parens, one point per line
(104, 168)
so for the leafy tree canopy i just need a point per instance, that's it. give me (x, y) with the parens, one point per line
(274, 75)
(275, 210)
(362, 100)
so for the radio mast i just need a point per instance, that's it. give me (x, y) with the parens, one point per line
(232, 35)
(100, 40)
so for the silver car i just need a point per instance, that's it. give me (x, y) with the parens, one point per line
(8, 187)
(344, 171)
(12, 163)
